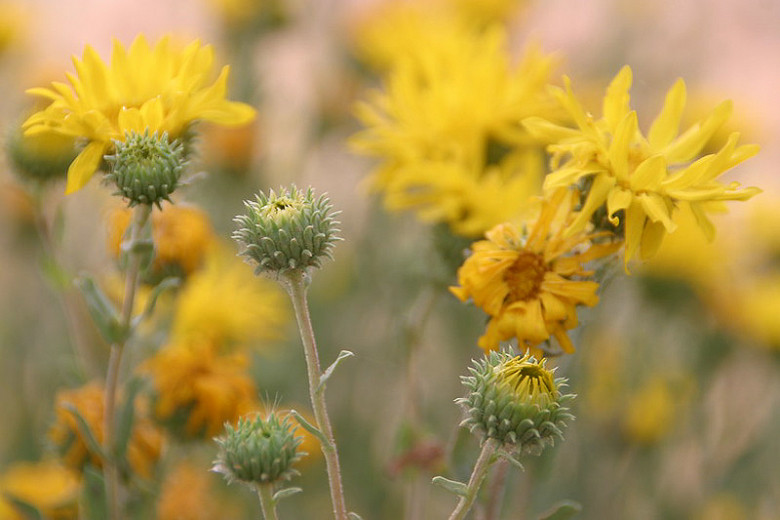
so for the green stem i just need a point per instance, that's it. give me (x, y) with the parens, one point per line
(267, 503)
(110, 470)
(481, 467)
(297, 289)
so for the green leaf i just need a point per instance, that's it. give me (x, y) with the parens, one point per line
(286, 492)
(354, 516)
(126, 416)
(311, 428)
(55, 274)
(453, 486)
(344, 354)
(172, 282)
(93, 503)
(29, 511)
(102, 310)
(508, 457)
(86, 431)
(563, 510)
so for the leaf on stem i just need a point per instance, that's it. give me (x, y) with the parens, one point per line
(86, 431)
(126, 417)
(286, 492)
(563, 510)
(172, 282)
(354, 516)
(453, 486)
(306, 425)
(508, 457)
(102, 310)
(344, 354)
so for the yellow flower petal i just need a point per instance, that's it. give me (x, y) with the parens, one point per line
(84, 166)
(665, 127)
(616, 102)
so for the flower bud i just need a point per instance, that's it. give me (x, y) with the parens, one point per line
(515, 400)
(258, 451)
(291, 230)
(40, 157)
(146, 168)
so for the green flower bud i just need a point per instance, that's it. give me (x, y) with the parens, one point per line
(258, 451)
(515, 400)
(40, 157)
(291, 230)
(146, 168)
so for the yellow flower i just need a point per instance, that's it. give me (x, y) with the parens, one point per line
(224, 303)
(144, 446)
(182, 237)
(197, 390)
(186, 494)
(159, 89)
(48, 486)
(530, 286)
(446, 151)
(644, 178)
(486, 11)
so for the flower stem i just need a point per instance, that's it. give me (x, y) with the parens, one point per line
(266, 494)
(297, 289)
(481, 467)
(496, 490)
(110, 470)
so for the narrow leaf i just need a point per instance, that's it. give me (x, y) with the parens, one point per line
(453, 486)
(86, 431)
(29, 511)
(172, 282)
(93, 495)
(354, 516)
(563, 510)
(508, 457)
(102, 310)
(310, 428)
(344, 354)
(126, 417)
(286, 492)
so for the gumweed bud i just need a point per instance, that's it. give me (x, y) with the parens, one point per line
(515, 400)
(40, 157)
(258, 450)
(146, 168)
(286, 231)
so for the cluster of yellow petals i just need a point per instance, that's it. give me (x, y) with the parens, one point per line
(186, 494)
(197, 389)
(144, 446)
(646, 178)
(446, 129)
(50, 487)
(530, 286)
(156, 89)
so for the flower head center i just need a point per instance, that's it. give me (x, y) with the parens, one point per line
(529, 379)
(525, 276)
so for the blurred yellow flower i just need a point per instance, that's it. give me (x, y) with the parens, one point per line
(145, 443)
(447, 152)
(723, 506)
(186, 495)
(159, 89)
(225, 304)
(182, 237)
(756, 306)
(531, 285)
(486, 11)
(642, 180)
(13, 23)
(653, 410)
(48, 486)
(197, 390)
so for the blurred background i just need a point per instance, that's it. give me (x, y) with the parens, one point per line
(677, 371)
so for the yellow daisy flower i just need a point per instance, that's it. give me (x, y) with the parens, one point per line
(224, 303)
(645, 178)
(49, 486)
(531, 285)
(445, 151)
(145, 443)
(159, 89)
(197, 390)
(187, 494)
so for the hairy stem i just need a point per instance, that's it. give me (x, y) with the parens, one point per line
(110, 470)
(296, 287)
(481, 467)
(266, 494)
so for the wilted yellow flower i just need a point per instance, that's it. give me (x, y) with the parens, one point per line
(642, 180)
(186, 495)
(446, 152)
(531, 285)
(159, 89)
(48, 486)
(182, 237)
(225, 304)
(197, 390)
(144, 446)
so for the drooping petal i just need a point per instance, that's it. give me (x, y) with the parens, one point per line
(84, 166)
